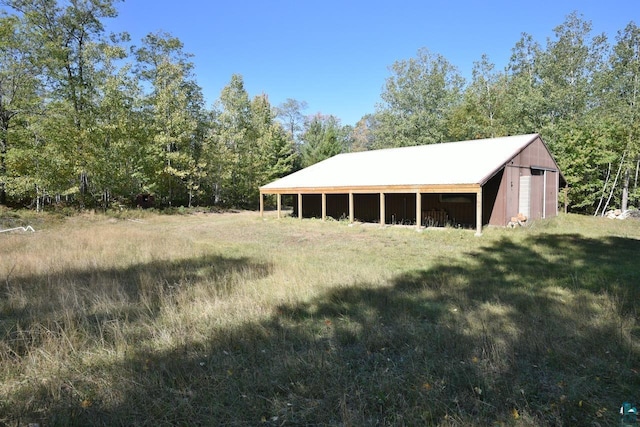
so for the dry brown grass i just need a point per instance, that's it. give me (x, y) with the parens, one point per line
(230, 319)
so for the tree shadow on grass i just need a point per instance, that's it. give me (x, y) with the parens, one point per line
(37, 307)
(540, 333)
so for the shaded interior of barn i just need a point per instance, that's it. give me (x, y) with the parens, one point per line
(438, 209)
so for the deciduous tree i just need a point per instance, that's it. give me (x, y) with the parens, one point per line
(69, 45)
(19, 87)
(417, 98)
(175, 106)
(622, 96)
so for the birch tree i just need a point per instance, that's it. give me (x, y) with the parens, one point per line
(480, 113)
(524, 102)
(622, 102)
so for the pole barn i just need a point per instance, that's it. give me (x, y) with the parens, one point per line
(464, 184)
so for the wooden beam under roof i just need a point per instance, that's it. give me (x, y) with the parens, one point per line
(443, 188)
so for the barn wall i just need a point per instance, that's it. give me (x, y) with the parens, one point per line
(537, 194)
(311, 205)
(551, 207)
(453, 209)
(400, 208)
(337, 206)
(535, 154)
(494, 200)
(366, 207)
(531, 162)
(511, 183)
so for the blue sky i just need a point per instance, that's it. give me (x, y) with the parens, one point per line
(335, 54)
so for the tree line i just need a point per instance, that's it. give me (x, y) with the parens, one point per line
(90, 119)
(579, 91)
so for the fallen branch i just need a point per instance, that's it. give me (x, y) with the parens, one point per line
(25, 229)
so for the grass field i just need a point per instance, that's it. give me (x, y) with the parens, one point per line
(230, 319)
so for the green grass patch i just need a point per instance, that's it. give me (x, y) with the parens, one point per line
(230, 319)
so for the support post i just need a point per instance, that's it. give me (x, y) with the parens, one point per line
(261, 205)
(324, 206)
(279, 202)
(299, 206)
(418, 210)
(479, 212)
(382, 210)
(351, 208)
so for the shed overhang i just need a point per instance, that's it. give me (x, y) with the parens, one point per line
(457, 167)
(375, 189)
(427, 166)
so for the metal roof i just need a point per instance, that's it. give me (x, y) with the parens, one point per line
(453, 163)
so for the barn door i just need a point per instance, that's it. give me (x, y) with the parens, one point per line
(524, 199)
(537, 194)
(551, 194)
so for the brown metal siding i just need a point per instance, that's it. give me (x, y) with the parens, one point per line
(338, 206)
(535, 154)
(512, 193)
(494, 200)
(536, 196)
(542, 205)
(551, 201)
(366, 207)
(312, 205)
(457, 213)
(400, 208)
